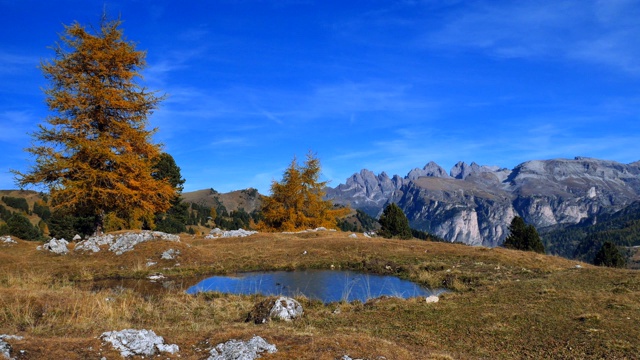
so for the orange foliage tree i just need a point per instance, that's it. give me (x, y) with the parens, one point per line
(297, 202)
(94, 153)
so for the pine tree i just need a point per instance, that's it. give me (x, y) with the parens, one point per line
(175, 218)
(610, 256)
(19, 226)
(394, 223)
(95, 154)
(297, 202)
(523, 237)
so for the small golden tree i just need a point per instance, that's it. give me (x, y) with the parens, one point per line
(96, 155)
(297, 202)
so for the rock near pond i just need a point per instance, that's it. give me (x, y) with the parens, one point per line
(241, 350)
(57, 246)
(132, 342)
(432, 299)
(282, 308)
(286, 308)
(122, 243)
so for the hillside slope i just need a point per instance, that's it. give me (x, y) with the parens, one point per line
(502, 304)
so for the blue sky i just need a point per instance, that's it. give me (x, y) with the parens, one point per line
(382, 85)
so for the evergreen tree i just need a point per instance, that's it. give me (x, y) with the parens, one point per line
(394, 223)
(63, 225)
(95, 153)
(297, 202)
(523, 237)
(175, 219)
(19, 226)
(609, 255)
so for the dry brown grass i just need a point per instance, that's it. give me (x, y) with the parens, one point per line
(505, 304)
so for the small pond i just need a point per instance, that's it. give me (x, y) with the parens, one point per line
(324, 285)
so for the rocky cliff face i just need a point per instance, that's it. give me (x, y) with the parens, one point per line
(475, 204)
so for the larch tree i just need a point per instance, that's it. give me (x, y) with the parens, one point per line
(297, 202)
(95, 153)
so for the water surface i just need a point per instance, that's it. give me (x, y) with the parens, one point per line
(324, 285)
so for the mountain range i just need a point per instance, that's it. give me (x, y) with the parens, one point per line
(474, 204)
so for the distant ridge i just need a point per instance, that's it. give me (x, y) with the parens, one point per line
(474, 204)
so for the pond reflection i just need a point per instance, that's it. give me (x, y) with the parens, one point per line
(324, 285)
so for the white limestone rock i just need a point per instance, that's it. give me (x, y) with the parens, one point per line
(241, 350)
(7, 240)
(5, 348)
(122, 243)
(353, 236)
(170, 254)
(77, 237)
(93, 243)
(218, 233)
(132, 342)
(286, 308)
(57, 246)
(432, 299)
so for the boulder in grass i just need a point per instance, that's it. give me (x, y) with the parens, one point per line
(282, 308)
(57, 246)
(286, 308)
(122, 243)
(241, 350)
(432, 299)
(7, 240)
(5, 348)
(132, 342)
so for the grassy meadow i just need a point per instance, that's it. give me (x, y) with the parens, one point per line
(503, 304)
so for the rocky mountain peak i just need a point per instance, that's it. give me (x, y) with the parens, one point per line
(475, 204)
(431, 169)
(461, 170)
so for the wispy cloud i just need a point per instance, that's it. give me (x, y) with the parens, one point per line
(603, 32)
(12, 63)
(15, 125)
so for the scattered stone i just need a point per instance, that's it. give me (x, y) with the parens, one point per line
(367, 236)
(151, 263)
(155, 277)
(77, 237)
(7, 240)
(5, 348)
(132, 342)
(308, 231)
(170, 254)
(432, 299)
(241, 350)
(217, 233)
(122, 243)
(57, 246)
(578, 266)
(304, 252)
(353, 236)
(347, 357)
(370, 234)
